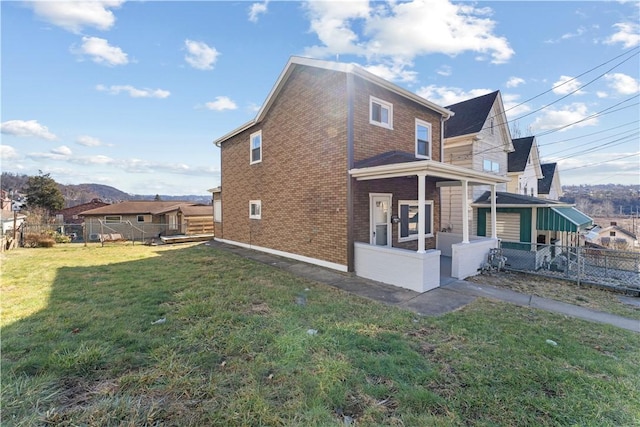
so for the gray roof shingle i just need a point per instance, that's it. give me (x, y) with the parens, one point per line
(470, 115)
(518, 158)
(544, 183)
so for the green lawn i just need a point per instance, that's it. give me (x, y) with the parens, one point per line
(238, 348)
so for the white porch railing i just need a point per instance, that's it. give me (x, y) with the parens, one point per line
(468, 258)
(407, 269)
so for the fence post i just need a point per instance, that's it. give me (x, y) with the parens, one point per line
(578, 250)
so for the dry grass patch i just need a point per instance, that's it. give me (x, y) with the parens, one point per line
(560, 290)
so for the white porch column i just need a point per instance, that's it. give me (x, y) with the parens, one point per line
(534, 225)
(494, 231)
(465, 211)
(421, 213)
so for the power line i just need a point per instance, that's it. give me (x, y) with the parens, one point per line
(635, 122)
(603, 162)
(630, 51)
(610, 144)
(576, 90)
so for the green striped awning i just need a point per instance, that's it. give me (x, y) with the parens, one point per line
(564, 218)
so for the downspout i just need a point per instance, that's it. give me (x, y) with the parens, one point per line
(442, 120)
(350, 155)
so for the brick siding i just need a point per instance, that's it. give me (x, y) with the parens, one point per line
(302, 179)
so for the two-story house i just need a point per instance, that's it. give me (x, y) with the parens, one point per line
(476, 137)
(341, 168)
(524, 168)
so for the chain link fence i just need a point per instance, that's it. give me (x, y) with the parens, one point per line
(609, 268)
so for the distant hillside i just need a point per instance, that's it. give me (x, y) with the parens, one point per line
(77, 194)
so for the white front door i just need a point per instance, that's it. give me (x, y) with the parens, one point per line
(380, 219)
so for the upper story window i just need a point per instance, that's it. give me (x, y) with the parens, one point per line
(423, 139)
(256, 147)
(380, 113)
(255, 209)
(491, 166)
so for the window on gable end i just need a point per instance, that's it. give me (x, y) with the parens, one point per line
(255, 141)
(380, 113)
(423, 139)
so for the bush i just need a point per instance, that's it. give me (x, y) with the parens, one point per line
(45, 239)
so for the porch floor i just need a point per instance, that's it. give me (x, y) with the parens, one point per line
(445, 270)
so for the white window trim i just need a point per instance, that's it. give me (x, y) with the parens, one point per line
(491, 166)
(257, 203)
(429, 141)
(414, 203)
(384, 104)
(251, 161)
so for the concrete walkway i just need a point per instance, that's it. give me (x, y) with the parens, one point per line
(448, 297)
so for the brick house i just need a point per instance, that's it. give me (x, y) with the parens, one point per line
(341, 168)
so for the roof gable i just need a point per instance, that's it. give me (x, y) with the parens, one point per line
(470, 115)
(517, 159)
(349, 68)
(548, 172)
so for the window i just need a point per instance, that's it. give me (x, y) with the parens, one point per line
(408, 225)
(173, 221)
(612, 233)
(491, 166)
(423, 139)
(256, 147)
(140, 218)
(255, 209)
(113, 219)
(380, 113)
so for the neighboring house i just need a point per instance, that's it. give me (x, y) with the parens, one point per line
(526, 223)
(71, 215)
(612, 237)
(477, 137)
(524, 167)
(549, 186)
(145, 220)
(341, 168)
(10, 218)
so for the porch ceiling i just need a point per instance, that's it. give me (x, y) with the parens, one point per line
(431, 168)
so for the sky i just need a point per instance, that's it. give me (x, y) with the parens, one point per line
(133, 94)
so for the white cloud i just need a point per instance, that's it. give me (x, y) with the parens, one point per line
(514, 82)
(512, 106)
(566, 85)
(622, 83)
(199, 55)
(101, 52)
(75, 15)
(257, 9)
(27, 128)
(565, 118)
(628, 34)
(221, 103)
(393, 72)
(8, 153)
(63, 150)
(397, 32)
(88, 141)
(134, 92)
(602, 94)
(445, 70)
(442, 95)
